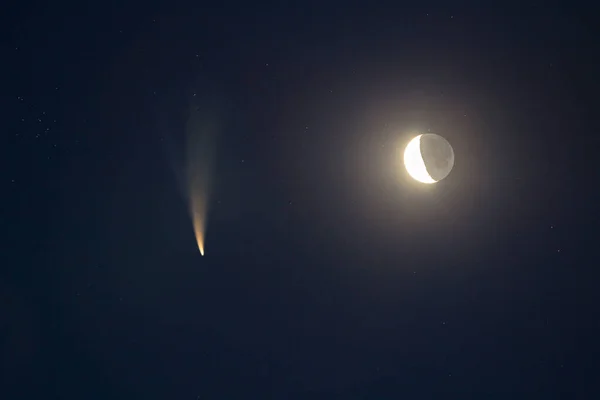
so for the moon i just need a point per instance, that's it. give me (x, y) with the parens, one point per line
(428, 158)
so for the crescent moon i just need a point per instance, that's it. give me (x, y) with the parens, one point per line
(413, 161)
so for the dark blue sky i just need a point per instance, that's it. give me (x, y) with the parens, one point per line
(329, 274)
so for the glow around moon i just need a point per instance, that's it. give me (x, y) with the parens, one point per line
(428, 158)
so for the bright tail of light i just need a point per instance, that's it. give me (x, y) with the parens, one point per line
(198, 211)
(200, 153)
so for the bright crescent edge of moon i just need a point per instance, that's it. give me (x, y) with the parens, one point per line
(413, 162)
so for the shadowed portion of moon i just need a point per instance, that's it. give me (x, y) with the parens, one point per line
(437, 155)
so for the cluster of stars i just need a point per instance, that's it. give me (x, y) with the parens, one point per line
(36, 125)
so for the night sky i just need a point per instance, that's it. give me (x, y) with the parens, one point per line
(329, 273)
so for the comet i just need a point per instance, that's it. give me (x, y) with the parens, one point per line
(198, 213)
(201, 132)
